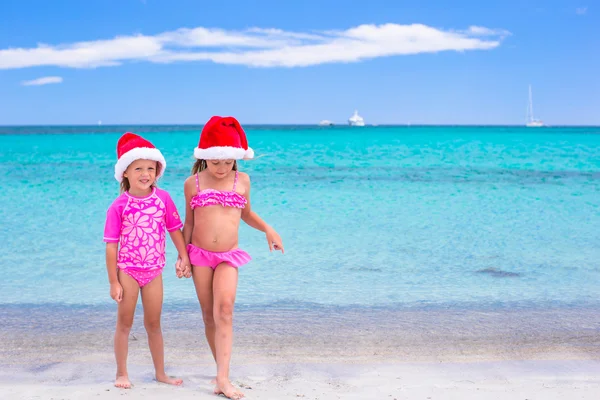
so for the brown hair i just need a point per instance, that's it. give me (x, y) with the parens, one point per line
(125, 185)
(200, 165)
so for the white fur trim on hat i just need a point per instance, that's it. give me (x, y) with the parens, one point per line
(223, 153)
(139, 153)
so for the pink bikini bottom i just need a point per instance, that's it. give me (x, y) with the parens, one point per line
(142, 276)
(204, 258)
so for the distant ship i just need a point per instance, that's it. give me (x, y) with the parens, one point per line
(325, 122)
(531, 121)
(356, 120)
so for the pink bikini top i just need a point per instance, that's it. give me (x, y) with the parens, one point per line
(212, 197)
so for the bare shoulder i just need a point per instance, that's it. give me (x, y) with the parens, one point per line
(189, 180)
(244, 178)
(190, 183)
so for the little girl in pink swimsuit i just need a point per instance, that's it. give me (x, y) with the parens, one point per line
(135, 248)
(217, 199)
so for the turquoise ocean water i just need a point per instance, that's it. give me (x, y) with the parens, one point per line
(372, 218)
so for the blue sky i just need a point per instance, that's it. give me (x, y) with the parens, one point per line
(181, 61)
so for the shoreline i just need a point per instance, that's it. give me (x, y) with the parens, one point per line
(309, 335)
(507, 354)
(283, 336)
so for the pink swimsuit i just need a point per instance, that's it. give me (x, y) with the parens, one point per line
(211, 197)
(138, 225)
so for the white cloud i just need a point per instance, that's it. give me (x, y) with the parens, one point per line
(581, 10)
(257, 47)
(203, 37)
(482, 31)
(98, 53)
(43, 81)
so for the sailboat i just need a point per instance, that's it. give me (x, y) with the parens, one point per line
(531, 121)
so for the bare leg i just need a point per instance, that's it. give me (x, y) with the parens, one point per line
(125, 313)
(224, 288)
(203, 280)
(152, 299)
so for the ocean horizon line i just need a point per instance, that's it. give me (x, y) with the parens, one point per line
(259, 124)
(156, 128)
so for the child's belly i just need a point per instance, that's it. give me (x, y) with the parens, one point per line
(216, 228)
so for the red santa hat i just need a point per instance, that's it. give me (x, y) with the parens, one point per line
(223, 138)
(132, 147)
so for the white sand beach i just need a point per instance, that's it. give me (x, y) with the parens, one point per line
(510, 380)
(500, 357)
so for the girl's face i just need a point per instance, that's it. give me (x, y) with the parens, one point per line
(219, 168)
(141, 175)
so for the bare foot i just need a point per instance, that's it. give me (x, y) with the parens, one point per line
(123, 382)
(168, 380)
(225, 388)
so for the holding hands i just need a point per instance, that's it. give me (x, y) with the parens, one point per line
(183, 267)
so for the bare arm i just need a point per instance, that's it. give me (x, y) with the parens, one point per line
(111, 262)
(178, 241)
(116, 291)
(188, 227)
(183, 266)
(248, 216)
(255, 221)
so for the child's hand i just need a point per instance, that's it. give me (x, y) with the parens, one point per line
(186, 267)
(274, 240)
(116, 292)
(183, 267)
(178, 268)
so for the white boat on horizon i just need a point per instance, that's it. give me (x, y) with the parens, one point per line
(356, 120)
(531, 121)
(326, 122)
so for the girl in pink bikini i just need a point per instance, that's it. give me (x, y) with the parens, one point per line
(217, 199)
(135, 248)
